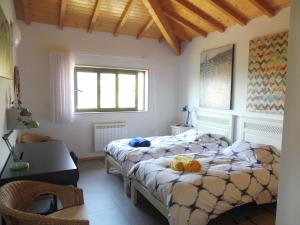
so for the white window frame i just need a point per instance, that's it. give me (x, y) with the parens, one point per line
(116, 71)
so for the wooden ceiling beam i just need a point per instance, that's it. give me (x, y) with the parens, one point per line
(264, 7)
(144, 29)
(123, 17)
(94, 16)
(203, 15)
(229, 11)
(181, 35)
(160, 39)
(178, 33)
(26, 12)
(155, 10)
(179, 19)
(62, 13)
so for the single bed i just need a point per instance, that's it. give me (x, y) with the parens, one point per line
(226, 181)
(122, 157)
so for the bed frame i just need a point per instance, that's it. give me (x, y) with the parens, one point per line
(111, 162)
(206, 122)
(264, 131)
(256, 130)
(215, 123)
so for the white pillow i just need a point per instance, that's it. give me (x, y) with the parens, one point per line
(252, 152)
(189, 135)
(210, 138)
(193, 135)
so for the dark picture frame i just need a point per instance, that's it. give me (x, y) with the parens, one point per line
(216, 77)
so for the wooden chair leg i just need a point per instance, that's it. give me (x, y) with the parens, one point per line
(2, 221)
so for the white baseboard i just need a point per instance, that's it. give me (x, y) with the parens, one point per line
(90, 155)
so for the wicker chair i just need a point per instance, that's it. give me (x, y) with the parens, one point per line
(16, 198)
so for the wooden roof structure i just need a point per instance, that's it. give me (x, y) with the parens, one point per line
(171, 20)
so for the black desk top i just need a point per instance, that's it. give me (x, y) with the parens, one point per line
(45, 159)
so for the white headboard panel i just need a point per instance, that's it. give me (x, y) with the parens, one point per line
(215, 123)
(262, 131)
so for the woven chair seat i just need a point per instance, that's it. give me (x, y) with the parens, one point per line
(16, 198)
(75, 212)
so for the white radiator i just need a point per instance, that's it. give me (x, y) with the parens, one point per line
(105, 132)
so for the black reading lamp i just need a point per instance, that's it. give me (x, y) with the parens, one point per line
(18, 118)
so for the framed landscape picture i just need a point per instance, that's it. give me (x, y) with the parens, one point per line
(6, 47)
(216, 72)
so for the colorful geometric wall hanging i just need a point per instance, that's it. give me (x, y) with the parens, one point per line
(267, 73)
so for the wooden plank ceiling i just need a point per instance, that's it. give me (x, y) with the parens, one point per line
(174, 21)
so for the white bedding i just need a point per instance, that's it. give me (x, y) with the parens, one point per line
(128, 156)
(224, 183)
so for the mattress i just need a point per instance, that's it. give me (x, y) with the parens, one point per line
(196, 198)
(128, 156)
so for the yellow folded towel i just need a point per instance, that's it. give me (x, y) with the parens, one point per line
(193, 166)
(185, 163)
(177, 165)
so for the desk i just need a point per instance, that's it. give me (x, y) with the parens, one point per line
(49, 162)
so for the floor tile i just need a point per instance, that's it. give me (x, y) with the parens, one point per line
(108, 217)
(98, 200)
(108, 205)
(266, 219)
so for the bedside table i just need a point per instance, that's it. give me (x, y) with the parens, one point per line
(179, 129)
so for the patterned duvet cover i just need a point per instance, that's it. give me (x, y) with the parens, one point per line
(161, 146)
(225, 182)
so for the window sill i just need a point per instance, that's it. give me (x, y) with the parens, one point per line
(117, 112)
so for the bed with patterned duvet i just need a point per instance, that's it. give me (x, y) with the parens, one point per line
(242, 173)
(187, 142)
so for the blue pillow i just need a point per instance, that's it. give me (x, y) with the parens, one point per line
(139, 142)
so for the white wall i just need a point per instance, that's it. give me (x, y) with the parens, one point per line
(104, 50)
(166, 96)
(6, 88)
(289, 181)
(240, 36)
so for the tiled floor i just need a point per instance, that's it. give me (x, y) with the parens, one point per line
(108, 205)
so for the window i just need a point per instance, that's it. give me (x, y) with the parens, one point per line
(110, 89)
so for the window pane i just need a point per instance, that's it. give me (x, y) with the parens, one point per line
(118, 89)
(107, 90)
(127, 90)
(146, 95)
(141, 97)
(86, 90)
